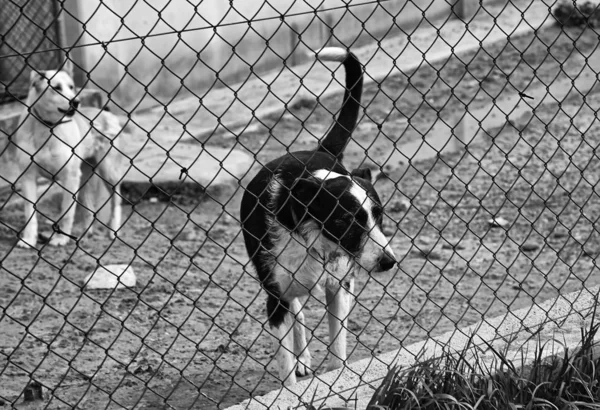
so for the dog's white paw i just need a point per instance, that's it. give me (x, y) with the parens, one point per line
(27, 243)
(111, 234)
(303, 365)
(303, 370)
(59, 240)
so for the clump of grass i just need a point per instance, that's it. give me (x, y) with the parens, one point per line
(462, 381)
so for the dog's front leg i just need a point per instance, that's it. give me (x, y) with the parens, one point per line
(284, 344)
(339, 295)
(29, 234)
(71, 177)
(301, 351)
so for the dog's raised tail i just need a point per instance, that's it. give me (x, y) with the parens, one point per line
(336, 140)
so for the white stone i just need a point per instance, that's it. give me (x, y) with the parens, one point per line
(111, 277)
(498, 222)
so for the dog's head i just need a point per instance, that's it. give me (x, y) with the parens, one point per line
(348, 213)
(52, 95)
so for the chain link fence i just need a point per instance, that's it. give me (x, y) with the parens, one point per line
(479, 120)
(27, 26)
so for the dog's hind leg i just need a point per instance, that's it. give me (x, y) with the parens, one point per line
(87, 193)
(300, 346)
(111, 177)
(116, 213)
(29, 234)
(339, 301)
(281, 324)
(71, 177)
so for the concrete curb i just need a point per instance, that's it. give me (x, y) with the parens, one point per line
(556, 320)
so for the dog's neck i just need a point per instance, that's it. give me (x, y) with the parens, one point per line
(50, 124)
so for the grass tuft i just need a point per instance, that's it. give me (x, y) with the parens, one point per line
(461, 380)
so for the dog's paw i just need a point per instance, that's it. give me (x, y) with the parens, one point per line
(302, 370)
(111, 234)
(303, 365)
(27, 243)
(59, 240)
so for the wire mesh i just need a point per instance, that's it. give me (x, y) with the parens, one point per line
(477, 118)
(27, 26)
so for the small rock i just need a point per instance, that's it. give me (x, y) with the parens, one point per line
(222, 349)
(144, 367)
(529, 247)
(498, 222)
(111, 277)
(153, 200)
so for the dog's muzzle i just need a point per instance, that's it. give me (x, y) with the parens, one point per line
(386, 262)
(73, 105)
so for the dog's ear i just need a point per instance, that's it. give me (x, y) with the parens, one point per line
(35, 79)
(68, 66)
(305, 190)
(306, 194)
(366, 173)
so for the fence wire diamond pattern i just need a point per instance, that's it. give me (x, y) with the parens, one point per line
(477, 122)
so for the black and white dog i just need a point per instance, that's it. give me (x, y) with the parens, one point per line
(308, 223)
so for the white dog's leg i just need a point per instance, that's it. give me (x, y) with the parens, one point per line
(109, 172)
(284, 345)
(29, 235)
(87, 193)
(116, 211)
(71, 177)
(339, 301)
(300, 346)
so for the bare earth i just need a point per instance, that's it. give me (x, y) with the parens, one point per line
(191, 333)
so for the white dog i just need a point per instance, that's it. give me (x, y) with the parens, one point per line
(55, 139)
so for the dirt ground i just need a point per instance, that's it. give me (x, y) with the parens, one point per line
(191, 332)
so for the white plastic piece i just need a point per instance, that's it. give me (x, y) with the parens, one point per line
(111, 277)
